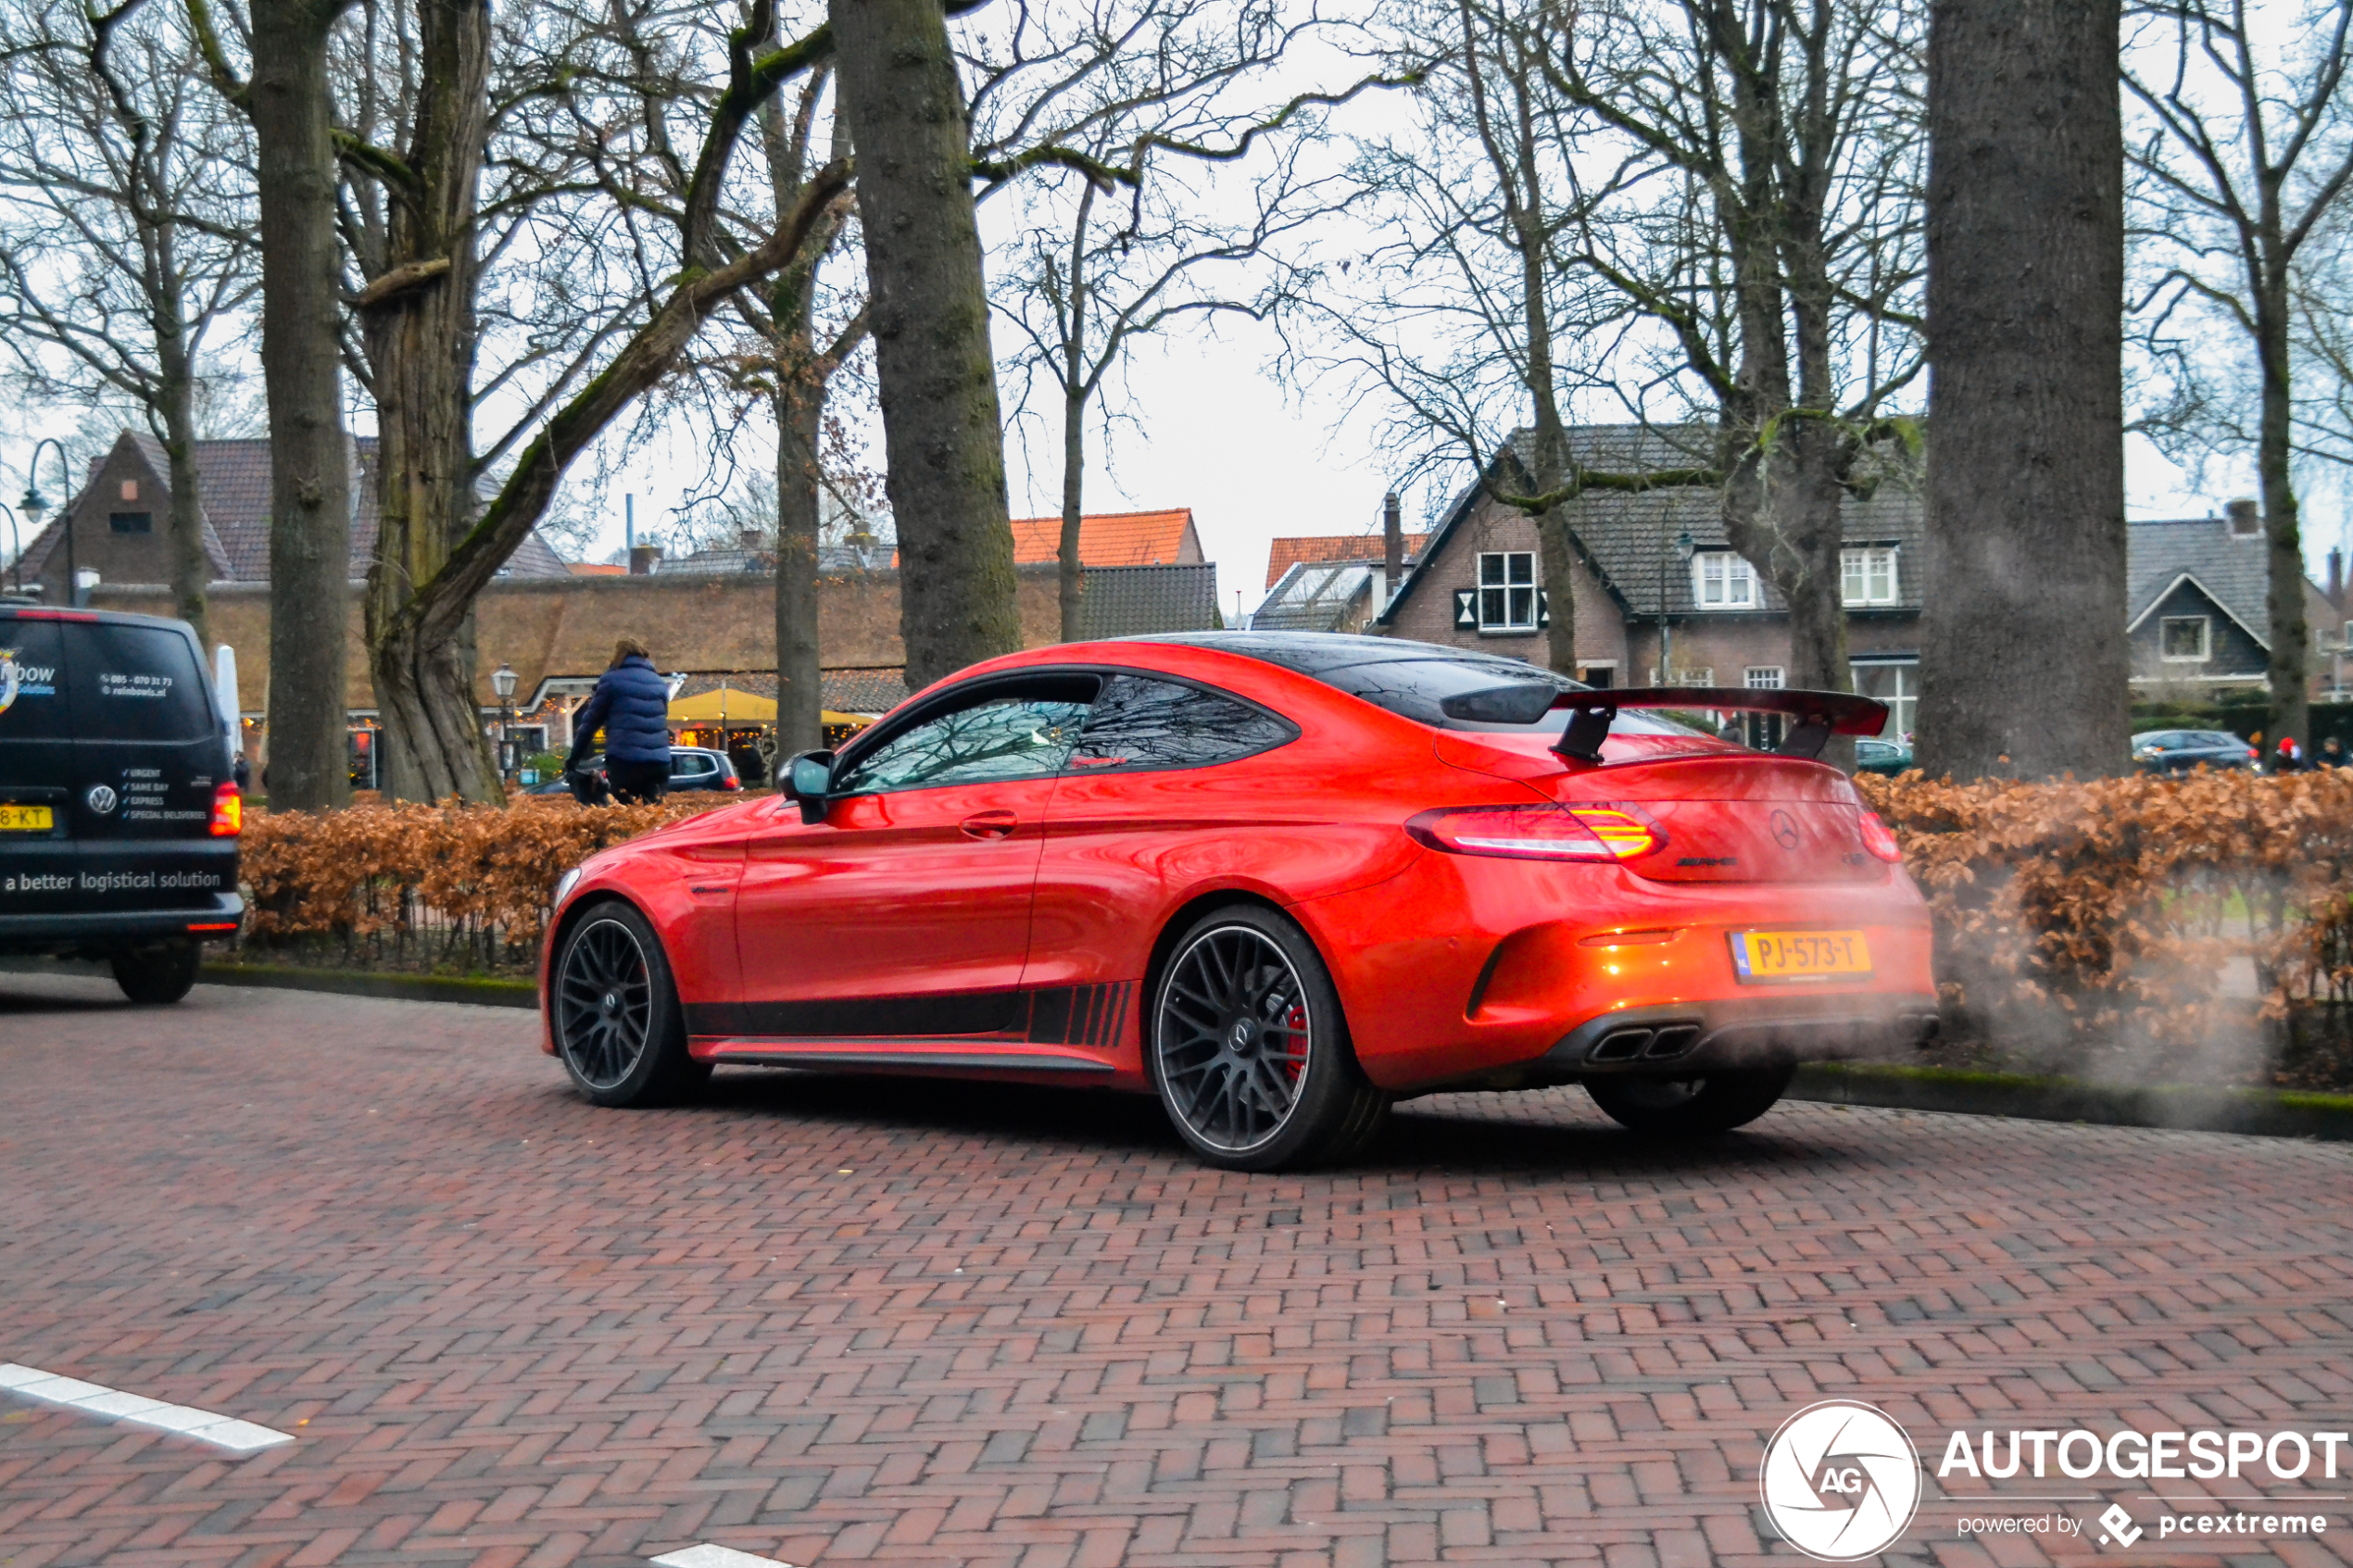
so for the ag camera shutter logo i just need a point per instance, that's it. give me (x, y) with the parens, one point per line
(1840, 1481)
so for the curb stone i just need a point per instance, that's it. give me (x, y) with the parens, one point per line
(397, 988)
(2265, 1112)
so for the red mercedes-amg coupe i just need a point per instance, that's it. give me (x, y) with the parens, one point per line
(1278, 879)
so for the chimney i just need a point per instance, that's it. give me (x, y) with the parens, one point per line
(2337, 578)
(642, 559)
(752, 540)
(2246, 519)
(1392, 542)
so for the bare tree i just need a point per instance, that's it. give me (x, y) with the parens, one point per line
(124, 240)
(2240, 159)
(2024, 665)
(1764, 228)
(287, 99)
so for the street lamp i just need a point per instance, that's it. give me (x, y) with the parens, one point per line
(33, 504)
(502, 681)
(16, 544)
(1683, 549)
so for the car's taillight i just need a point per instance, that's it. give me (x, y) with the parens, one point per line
(228, 811)
(1541, 832)
(731, 782)
(1880, 840)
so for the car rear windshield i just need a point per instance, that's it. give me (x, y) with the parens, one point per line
(1412, 678)
(33, 702)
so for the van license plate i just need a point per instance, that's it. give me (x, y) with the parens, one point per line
(25, 818)
(1800, 955)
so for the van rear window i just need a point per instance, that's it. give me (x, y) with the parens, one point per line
(135, 682)
(33, 703)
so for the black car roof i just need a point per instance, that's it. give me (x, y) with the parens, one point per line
(1314, 653)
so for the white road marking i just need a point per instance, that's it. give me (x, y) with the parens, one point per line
(222, 1431)
(709, 1555)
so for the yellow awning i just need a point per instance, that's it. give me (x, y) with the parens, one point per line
(733, 706)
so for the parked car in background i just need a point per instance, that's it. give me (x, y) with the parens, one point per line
(1275, 879)
(691, 767)
(1886, 757)
(2177, 751)
(118, 816)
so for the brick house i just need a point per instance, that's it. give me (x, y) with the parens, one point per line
(121, 519)
(1480, 582)
(2196, 607)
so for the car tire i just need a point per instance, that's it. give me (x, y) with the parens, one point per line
(614, 1011)
(1681, 1106)
(1248, 1050)
(157, 976)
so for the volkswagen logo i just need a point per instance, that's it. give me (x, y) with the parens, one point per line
(1786, 829)
(1841, 1480)
(101, 799)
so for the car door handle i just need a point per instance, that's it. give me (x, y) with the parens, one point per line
(990, 824)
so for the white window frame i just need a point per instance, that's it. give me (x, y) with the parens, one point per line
(1869, 574)
(1903, 702)
(2205, 639)
(1507, 595)
(1734, 580)
(1765, 677)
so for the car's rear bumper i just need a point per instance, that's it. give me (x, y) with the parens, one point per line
(1721, 1035)
(99, 931)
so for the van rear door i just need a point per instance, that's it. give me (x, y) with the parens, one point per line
(148, 752)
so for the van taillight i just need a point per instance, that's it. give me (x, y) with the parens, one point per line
(1880, 840)
(228, 811)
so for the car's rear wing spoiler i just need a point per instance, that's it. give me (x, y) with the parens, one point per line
(1820, 715)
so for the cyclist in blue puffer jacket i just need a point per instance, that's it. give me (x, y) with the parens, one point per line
(631, 704)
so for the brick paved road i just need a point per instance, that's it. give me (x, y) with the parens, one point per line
(841, 1321)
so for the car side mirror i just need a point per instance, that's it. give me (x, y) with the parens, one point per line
(808, 779)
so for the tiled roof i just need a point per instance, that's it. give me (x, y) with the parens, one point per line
(596, 569)
(862, 690)
(1314, 597)
(1290, 550)
(2234, 571)
(1629, 537)
(1127, 601)
(1111, 538)
(233, 478)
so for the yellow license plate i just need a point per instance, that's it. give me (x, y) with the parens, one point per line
(1800, 955)
(25, 818)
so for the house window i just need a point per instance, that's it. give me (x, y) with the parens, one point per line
(1684, 675)
(132, 522)
(1721, 580)
(1507, 591)
(1894, 681)
(1868, 575)
(2184, 639)
(1765, 678)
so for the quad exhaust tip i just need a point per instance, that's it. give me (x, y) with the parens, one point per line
(1663, 1043)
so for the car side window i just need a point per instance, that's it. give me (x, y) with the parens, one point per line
(999, 738)
(1139, 723)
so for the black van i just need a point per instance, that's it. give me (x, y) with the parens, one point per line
(119, 818)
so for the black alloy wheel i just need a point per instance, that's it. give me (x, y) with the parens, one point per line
(1249, 1052)
(615, 1012)
(1716, 1103)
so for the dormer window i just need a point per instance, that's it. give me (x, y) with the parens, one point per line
(1723, 580)
(2184, 639)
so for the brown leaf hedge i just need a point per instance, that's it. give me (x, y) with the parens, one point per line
(2133, 913)
(429, 886)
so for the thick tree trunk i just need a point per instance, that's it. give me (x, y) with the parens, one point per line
(310, 454)
(2289, 670)
(191, 571)
(2023, 647)
(417, 318)
(942, 434)
(1072, 575)
(800, 407)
